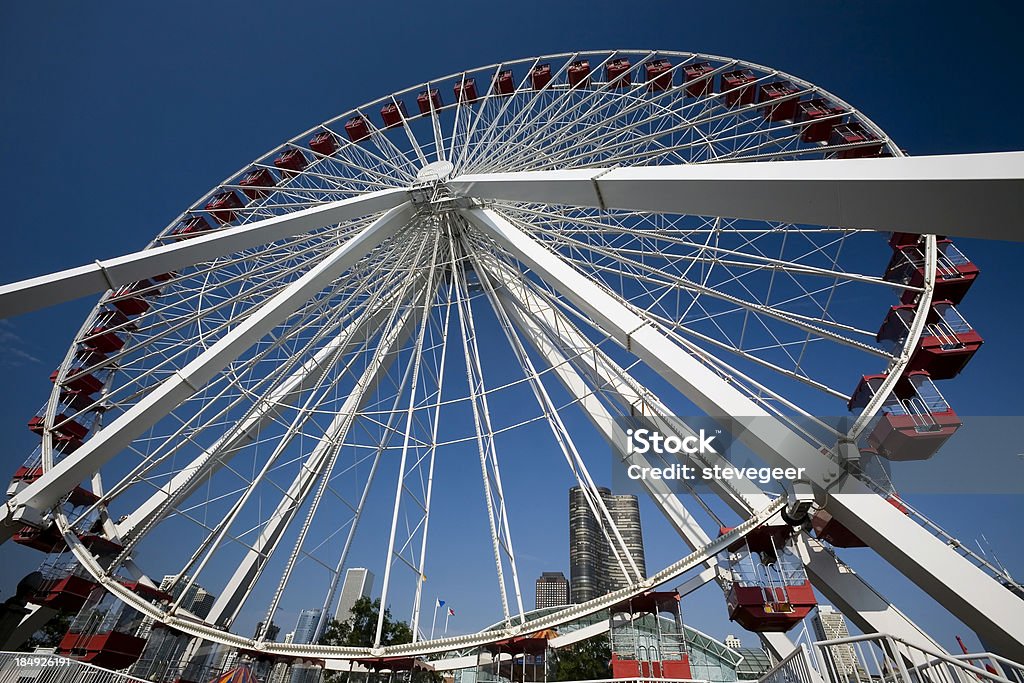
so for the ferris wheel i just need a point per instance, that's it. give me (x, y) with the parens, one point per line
(394, 302)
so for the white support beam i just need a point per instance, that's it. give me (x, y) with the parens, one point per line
(966, 195)
(558, 341)
(47, 290)
(979, 600)
(113, 438)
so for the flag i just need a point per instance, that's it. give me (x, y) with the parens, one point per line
(451, 612)
(440, 602)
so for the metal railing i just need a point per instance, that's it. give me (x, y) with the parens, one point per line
(41, 667)
(882, 658)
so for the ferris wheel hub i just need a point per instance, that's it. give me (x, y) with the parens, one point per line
(435, 172)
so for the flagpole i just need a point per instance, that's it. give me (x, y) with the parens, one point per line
(434, 620)
(447, 614)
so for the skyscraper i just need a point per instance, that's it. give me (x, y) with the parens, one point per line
(593, 568)
(830, 624)
(305, 627)
(358, 584)
(552, 590)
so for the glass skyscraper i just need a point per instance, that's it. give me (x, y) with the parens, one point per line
(593, 569)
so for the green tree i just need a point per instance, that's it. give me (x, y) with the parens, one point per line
(586, 660)
(360, 629)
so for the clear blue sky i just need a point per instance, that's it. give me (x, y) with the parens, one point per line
(115, 116)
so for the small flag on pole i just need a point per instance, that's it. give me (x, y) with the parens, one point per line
(451, 612)
(440, 602)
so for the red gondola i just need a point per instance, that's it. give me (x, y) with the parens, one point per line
(778, 111)
(819, 116)
(736, 88)
(393, 114)
(357, 128)
(222, 206)
(130, 299)
(324, 143)
(103, 339)
(768, 590)
(915, 419)
(659, 74)
(290, 162)
(954, 273)
(503, 83)
(650, 642)
(855, 133)
(699, 83)
(427, 98)
(257, 183)
(617, 73)
(540, 76)
(465, 91)
(190, 227)
(106, 630)
(946, 345)
(579, 74)
(66, 592)
(87, 384)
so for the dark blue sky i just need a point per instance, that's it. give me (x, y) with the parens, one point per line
(115, 116)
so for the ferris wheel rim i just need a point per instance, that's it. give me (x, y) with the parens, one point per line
(67, 363)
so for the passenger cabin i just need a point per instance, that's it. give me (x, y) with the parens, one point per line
(222, 206)
(465, 91)
(579, 74)
(427, 99)
(698, 79)
(647, 637)
(617, 73)
(954, 272)
(819, 117)
(540, 76)
(503, 83)
(85, 383)
(357, 128)
(106, 630)
(324, 143)
(65, 587)
(736, 89)
(190, 227)
(131, 299)
(659, 74)
(781, 101)
(914, 420)
(946, 344)
(290, 162)
(257, 182)
(393, 114)
(854, 133)
(767, 588)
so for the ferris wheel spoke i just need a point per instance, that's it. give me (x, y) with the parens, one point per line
(562, 436)
(973, 195)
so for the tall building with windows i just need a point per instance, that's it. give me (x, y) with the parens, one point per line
(593, 567)
(305, 627)
(552, 590)
(358, 584)
(829, 624)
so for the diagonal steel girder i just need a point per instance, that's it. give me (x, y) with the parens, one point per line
(66, 285)
(965, 195)
(44, 492)
(566, 348)
(981, 602)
